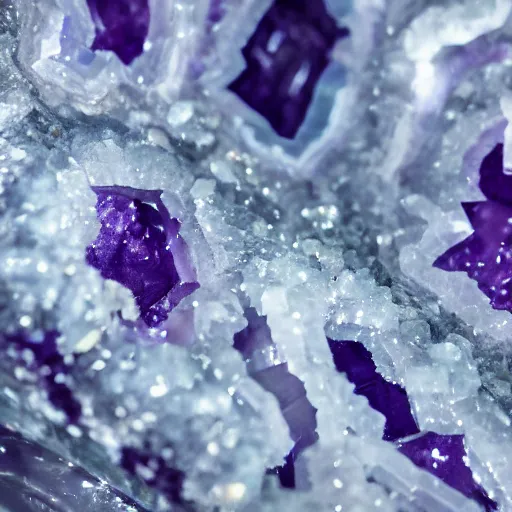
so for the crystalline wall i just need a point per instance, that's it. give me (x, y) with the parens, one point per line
(255, 255)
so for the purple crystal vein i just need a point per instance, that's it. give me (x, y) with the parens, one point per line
(486, 255)
(289, 390)
(445, 457)
(140, 247)
(442, 455)
(49, 362)
(121, 26)
(353, 359)
(285, 58)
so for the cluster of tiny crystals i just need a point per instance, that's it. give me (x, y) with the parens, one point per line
(255, 255)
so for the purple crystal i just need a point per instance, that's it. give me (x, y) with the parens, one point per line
(288, 389)
(216, 11)
(121, 26)
(255, 337)
(286, 472)
(140, 247)
(155, 471)
(285, 58)
(495, 182)
(486, 255)
(46, 356)
(445, 457)
(352, 358)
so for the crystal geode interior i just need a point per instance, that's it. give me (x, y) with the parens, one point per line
(255, 255)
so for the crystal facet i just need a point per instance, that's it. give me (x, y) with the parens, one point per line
(445, 456)
(288, 389)
(486, 255)
(285, 57)
(390, 399)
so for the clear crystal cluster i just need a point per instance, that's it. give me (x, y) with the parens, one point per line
(255, 255)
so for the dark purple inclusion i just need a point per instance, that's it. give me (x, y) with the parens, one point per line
(158, 473)
(48, 358)
(444, 456)
(352, 358)
(121, 26)
(285, 58)
(486, 255)
(140, 247)
(288, 389)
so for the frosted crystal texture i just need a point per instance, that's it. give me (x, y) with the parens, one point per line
(74, 58)
(397, 147)
(458, 24)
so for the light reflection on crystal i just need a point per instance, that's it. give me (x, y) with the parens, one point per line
(392, 114)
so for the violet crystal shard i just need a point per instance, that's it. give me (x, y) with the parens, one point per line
(445, 457)
(352, 358)
(486, 255)
(121, 26)
(140, 247)
(289, 390)
(285, 57)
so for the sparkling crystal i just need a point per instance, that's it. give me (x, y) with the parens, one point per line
(446, 457)
(486, 255)
(140, 247)
(289, 391)
(352, 358)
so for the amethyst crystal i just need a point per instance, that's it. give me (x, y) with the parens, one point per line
(289, 390)
(121, 26)
(352, 358)
(285, 58)
(445, 457)
(286, 472)
(49, 363)
(140, 247)
(255, 337)
(495, 181)
(155, 471)
(486, 255)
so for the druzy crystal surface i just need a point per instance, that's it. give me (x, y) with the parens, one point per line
(218, 224)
